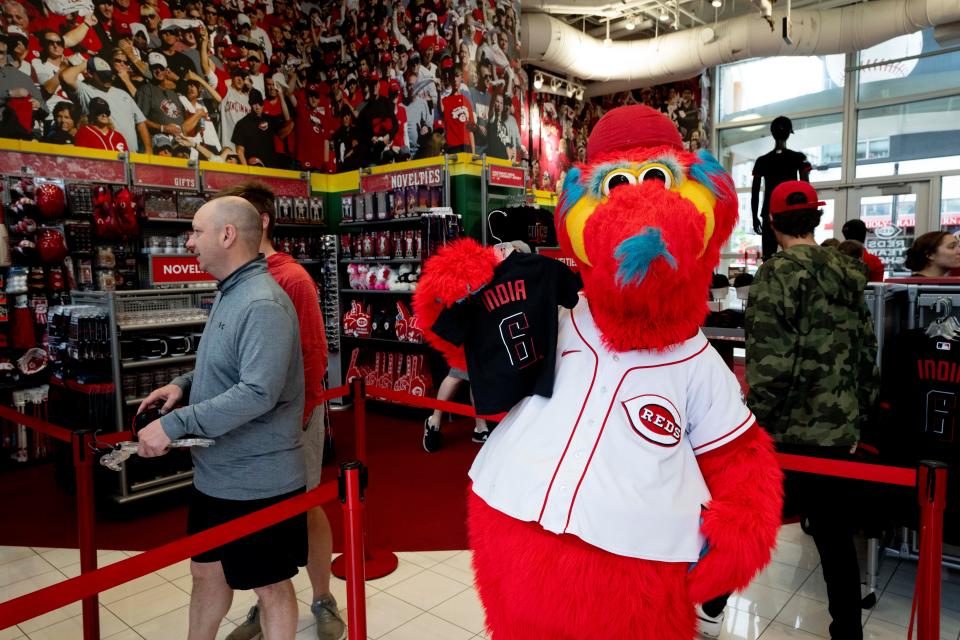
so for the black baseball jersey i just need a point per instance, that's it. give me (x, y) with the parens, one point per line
(530, 224)
(920, 402)
(509, 329)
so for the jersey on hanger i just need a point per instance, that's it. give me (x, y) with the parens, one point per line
(612, 457)
(509, 329)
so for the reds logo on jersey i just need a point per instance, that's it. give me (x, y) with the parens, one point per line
(655, 419)
(460, 114)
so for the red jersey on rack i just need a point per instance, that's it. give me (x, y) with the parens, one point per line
(302, 290)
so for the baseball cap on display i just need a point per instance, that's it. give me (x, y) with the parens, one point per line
(794, 195)
(98, 107)
(157, 60)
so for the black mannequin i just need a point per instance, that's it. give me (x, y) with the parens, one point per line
(780, 165)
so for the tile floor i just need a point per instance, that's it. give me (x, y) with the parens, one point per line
(430, 597)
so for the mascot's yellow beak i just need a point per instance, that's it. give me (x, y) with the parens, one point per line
(689, 189)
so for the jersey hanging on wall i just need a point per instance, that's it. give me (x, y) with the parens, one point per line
(509, 329)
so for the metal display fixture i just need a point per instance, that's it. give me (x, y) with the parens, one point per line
(133, 313)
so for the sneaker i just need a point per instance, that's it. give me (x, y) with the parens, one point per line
(480, 436)
(330, 625)
(709, 627)
(432, 438)
(249, 629)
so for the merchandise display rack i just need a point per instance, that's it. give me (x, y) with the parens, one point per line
(137, 315)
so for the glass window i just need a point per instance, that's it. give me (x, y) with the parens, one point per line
(772, 86)
(917, 137)
(819, 138)
(891, 223)
(950, 204)
(890, 76)
(825, 229)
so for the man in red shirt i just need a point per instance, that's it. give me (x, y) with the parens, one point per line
(857, 230)
(313, 139)
(99, 134)
(302, 289)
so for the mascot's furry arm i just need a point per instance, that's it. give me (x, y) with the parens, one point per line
(457, 271)
(746, 486)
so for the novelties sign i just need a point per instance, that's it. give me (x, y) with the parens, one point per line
(507, 177)
(426, 176)
(166, 269)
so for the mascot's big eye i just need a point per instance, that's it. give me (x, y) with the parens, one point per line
(617, 179)
(657, 173)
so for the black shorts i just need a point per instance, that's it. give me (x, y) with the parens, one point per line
(262, 558)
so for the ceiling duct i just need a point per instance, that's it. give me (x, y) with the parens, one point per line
(554, 45)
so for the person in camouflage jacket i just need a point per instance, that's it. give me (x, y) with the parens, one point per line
(811, 367)
(811, 348)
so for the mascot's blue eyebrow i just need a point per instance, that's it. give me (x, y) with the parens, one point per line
(600, 172)
(708, 172)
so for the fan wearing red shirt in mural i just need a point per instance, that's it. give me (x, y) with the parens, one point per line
(313, 138)
(458, 119)
(100, 134)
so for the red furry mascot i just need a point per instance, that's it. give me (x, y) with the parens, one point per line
(643, 485)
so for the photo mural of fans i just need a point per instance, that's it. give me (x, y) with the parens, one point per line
(326, 86)
(561, 125)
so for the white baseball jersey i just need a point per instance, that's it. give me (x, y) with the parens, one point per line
(611, 457)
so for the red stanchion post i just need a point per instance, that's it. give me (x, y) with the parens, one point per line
(360, 418)
(83, 465)
(932, 493)
(352, 483)
(379, 562)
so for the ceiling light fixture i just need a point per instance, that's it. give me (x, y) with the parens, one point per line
(570, 90)
(538, 81)
(630, 25)
(717, 4)
(579, 94)
(607, 41)
(664, 16)
(556, 84)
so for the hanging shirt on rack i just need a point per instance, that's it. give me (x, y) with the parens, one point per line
(530, 224)
(509, 330)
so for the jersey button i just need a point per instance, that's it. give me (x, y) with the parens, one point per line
(616, 358)
(603, 389)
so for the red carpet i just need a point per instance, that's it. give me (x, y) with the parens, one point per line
(415, 500)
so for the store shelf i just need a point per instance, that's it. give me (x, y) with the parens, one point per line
(146, 326)
(157, 362)
(389, 221)
(134, 402)
(185, 221)
(375, 292)
(731, 334)
(379, 260)
(383, 341)
(300, 225)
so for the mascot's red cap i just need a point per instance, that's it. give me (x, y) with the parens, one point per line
(630, 127)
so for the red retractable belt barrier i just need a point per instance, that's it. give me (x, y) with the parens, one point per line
(47, 429)
(932, 493)
(87, 584)
(883, 474)
(399, 397)
(353, 482)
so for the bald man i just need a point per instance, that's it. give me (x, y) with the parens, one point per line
(246, 393)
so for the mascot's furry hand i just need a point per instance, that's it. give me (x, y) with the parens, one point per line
(735, 474)
(457, 271)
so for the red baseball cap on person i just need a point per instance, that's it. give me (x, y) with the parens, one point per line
(630, 127)
(802, 193)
